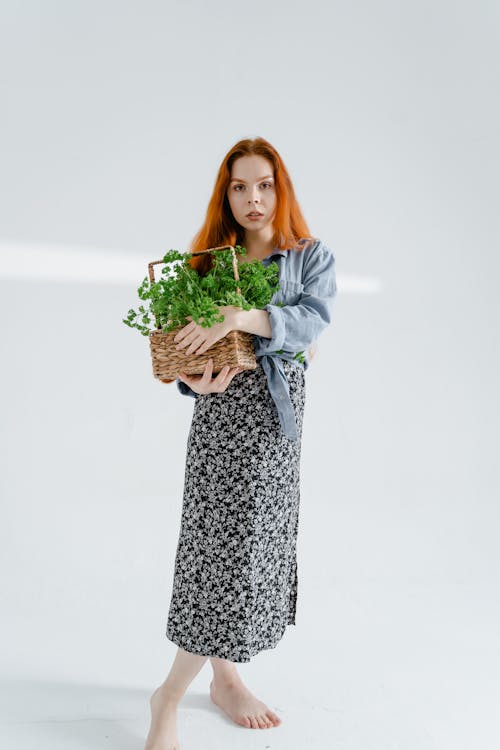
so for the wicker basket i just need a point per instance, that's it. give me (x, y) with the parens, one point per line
(236, 349)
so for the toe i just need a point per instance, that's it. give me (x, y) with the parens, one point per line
(245, 721)
(273, 718)
(262, 722)
(255, 723)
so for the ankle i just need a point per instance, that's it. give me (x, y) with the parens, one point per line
(170, 694)
(227, 679)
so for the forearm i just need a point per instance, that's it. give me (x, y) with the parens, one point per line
(254, 321)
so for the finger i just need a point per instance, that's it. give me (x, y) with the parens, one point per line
(190, 379)
(185, 378)
(195, 343)
(231, 372)
(200, 348)
(235, 371)
(183, 332)
(186, 339)
(203, 348)
(207, 373)
(219, 380)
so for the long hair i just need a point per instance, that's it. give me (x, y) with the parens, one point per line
(221, 228)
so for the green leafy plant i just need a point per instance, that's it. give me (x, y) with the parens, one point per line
(182, 291)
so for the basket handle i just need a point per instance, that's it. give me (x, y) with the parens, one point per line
(153, 263)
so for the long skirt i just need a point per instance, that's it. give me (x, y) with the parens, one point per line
(235, 576)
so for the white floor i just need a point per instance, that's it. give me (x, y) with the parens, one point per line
(396, 644)
(382, 667)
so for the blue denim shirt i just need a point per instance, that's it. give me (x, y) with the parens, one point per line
(307, 289)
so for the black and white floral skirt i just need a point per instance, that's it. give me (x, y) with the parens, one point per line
(235, 577)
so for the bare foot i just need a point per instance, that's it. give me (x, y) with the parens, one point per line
(241, 705)
(163, 731)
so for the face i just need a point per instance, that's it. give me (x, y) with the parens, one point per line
(252, 189)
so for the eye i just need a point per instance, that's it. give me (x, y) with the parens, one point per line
(268, 183)
(238, 186)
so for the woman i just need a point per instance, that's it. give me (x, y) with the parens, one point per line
(235, 578)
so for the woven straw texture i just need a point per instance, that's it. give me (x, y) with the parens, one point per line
(236, 349)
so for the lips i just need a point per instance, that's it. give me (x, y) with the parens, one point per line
(255, 213)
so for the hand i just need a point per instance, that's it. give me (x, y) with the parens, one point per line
(198, 339)
(204, 384)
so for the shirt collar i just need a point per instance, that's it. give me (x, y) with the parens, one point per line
(276, 251)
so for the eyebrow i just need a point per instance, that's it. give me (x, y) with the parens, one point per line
(238, 179)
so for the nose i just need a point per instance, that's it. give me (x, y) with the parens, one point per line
(255, 196)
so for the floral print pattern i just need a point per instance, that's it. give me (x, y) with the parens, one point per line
(235, 577)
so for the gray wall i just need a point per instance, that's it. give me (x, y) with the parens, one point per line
(115, 118)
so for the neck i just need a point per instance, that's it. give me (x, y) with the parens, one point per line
(259, 244)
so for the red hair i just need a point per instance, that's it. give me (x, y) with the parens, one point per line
(221, 228)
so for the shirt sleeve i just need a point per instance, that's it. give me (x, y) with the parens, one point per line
(183, 388)
(295, 327)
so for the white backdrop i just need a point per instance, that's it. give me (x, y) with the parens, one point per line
(116, 116)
